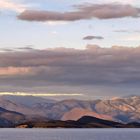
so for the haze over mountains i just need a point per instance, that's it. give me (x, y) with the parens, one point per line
(19, 108)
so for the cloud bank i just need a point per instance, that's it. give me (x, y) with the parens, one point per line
(83, 12)
(61, 66)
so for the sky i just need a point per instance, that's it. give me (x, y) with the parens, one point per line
(74, 48)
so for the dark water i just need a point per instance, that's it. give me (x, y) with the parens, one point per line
(69, 134)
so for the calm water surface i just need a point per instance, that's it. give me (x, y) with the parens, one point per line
(69, 134)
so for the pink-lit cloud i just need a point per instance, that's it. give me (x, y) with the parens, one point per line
(10, 5)
(10, 71)
(83, 12)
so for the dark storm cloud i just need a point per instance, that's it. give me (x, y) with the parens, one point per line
(93, 37)
(83, 12)
(61, 66)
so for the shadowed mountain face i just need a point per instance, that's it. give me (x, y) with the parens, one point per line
(123, 110)
(92, 120)
(10, 118)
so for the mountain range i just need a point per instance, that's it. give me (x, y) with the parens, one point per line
(19, 109)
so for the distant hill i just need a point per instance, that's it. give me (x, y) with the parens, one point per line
(26, 100)
(123, 110)
(84, 122)
(77, 113)
(96, 122)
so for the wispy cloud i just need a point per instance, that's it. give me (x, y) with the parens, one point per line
(54, 23)
(10, 5)
(127, 31)
(39, 94)
(132, 37)
(122, 31)
(122, 1)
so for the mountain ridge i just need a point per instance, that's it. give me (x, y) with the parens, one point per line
(123, 110)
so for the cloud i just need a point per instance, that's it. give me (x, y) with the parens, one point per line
(120, 1)
(127, 31)
(93, 37)
(131, 37)
(83, 12)
(122, 31)
(9, 5)
(54, 23)
(92, 71)
(38, 94)
(71, 67)
(11, 71)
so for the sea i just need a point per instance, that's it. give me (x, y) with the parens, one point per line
(69, 134)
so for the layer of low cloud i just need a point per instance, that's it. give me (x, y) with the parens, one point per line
(83, 12)
(90, 37)
(61, 66)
